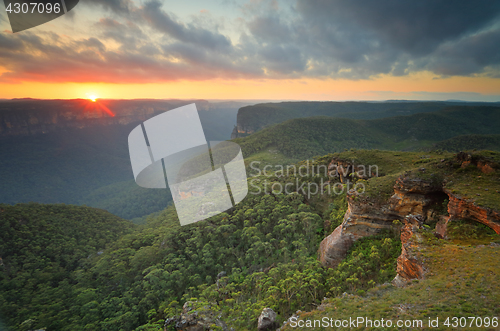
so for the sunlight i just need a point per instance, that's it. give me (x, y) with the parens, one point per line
(92, 98)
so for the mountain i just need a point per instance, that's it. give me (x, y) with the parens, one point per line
(41, 249)
(256, 117)
(469, 142)
(74, 151)
(307, 137)
(78, 268)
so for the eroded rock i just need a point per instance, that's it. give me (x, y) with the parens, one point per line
(410, 266)
(195, 320)
(465, 208)
(267, 320)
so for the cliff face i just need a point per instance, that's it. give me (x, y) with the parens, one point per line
(410, 264)
(367, 216)
(31, 117)
(465, 208)
(414, 201)
(364, 217)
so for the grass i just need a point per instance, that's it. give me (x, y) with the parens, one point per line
(467, 182)
(462, 281)
(468, 232)
(471, 183)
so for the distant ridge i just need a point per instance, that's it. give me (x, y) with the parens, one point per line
(307, 137)
(254, 118)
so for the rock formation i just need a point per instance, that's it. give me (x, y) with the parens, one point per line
(465, 208)
(195, 320)
(364, 217)
(410, 265)
(267, 320)
(414, 201)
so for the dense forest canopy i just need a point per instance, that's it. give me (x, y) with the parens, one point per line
(308, 137)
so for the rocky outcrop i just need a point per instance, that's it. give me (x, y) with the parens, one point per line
(267, 320)
(364, 217)
(347, 169)
(414, 196)
(334, 248)
(486, 166)
(410, 265)
(367, 216)
(414, 201)
(442, 227)
(466, 208)
(195, 320)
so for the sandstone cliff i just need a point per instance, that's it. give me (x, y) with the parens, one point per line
(415, 201)
(30, 117)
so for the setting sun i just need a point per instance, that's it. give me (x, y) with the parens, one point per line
(92, 98)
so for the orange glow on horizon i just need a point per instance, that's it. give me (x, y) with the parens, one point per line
(383, 87)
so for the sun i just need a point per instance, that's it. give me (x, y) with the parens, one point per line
(92, 98)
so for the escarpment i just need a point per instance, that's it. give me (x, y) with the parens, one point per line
(418, 196)
(27, 117)
(367, 216)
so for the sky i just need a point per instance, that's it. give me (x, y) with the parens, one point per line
(258, 49)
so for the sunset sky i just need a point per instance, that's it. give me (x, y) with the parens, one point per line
(275, 50)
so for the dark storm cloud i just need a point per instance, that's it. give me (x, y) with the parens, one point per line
(308, 38)
(416, 27)
(358, 39)
(270, 28)
(189, 33)
(466, 56)
(129, 35)
(117, 6)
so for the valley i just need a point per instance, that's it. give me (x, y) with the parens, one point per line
(422, 217)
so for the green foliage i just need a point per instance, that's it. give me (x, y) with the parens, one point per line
(464, 230)
(305, 137)
(468, 142)
(336, 212)
(267, 246)
(89, 165)
(302, 283)
(52, 275)
(257, 117)
(42, 248)
(371, 260)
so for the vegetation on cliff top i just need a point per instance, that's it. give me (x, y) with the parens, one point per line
(306, 137)
(41, 249)
(461, 282)
(256, 117)
(266, 246)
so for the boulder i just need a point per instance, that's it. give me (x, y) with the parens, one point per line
(267, 320)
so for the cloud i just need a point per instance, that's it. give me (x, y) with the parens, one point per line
(128, 35)
(187, 33)
(309, 38)
(360, 39)
(270, 29)
(52, 58)
(416, 27)
(469, 55)
(117, 6)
